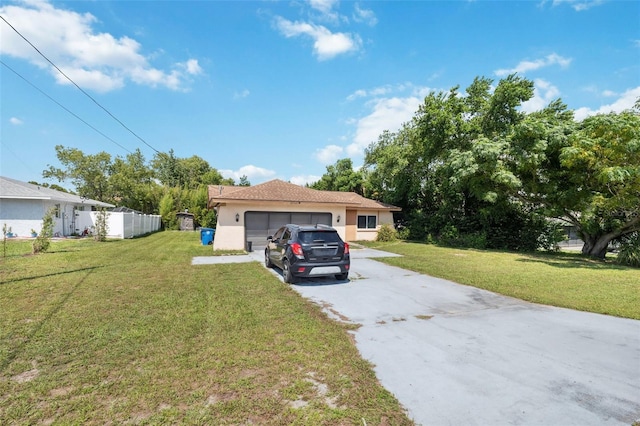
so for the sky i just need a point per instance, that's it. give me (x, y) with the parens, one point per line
(282, 89)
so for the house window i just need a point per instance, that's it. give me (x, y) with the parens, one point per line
(57, 211)
(367, 222)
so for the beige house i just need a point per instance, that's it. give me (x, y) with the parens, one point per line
(249, 214)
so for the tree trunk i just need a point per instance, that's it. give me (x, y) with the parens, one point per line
(596, 246)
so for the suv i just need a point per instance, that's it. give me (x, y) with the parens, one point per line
(307, 251)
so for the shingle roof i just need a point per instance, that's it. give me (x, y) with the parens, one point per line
(278, 190)
(15, 189)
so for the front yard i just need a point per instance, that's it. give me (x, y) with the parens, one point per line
(130, 332)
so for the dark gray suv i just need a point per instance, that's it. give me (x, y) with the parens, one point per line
(308, 251)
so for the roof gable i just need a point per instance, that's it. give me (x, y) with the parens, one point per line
(278, 190)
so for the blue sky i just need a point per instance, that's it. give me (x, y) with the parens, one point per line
(281, 89)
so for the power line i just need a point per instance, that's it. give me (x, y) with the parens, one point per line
(62, 106)
(78, 87)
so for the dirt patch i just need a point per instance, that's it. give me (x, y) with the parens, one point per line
(27, 376)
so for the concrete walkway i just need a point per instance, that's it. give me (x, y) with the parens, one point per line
(454, 354)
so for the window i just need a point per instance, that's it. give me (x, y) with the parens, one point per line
(367, 222)
(57, 211)
(287, 236)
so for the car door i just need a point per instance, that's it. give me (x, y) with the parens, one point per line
(272, 247)
(282, 244)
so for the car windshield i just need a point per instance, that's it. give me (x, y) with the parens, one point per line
(308, 237)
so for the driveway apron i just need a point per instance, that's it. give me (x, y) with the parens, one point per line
(457, 355)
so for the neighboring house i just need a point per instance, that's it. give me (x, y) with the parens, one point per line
(252, 213)
(23, 205)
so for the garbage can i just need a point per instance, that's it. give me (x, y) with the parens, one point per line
(248, 246)
(206, 236)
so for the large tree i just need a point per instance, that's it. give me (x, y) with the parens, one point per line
(88, 173)
(341, 177)
(476, 164)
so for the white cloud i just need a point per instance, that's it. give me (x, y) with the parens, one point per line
(241, 95)
(579, 5)
(326, 45)
(388, 114)
(543, 93)
(386, 90)
(324, 6)
(329, 154)
(364, 15)
(302, 180)
(96, 61)
(626, 101)
(250, 171)
(525, 66)
(15, 121)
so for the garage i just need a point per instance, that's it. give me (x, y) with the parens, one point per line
(260, 225)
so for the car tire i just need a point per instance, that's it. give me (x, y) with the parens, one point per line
(267, 260)
(342, 277)
(286, 272)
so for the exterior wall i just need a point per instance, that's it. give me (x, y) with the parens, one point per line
(230, 234)
(24, 215)
(382, 217)
(21, 215)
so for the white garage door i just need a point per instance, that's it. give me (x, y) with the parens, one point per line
(260, 225)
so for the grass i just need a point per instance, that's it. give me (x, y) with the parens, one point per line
(559, 279)
(130, 332)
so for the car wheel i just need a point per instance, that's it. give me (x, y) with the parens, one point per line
(267, 260)
(342, 277)
(286, 272)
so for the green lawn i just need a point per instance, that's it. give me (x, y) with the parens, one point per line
(560, 279)
(130, 332)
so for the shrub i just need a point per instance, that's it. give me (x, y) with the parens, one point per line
(550, 235)
(629, 253)
(387, 233)
(43, 240)
(102, 225)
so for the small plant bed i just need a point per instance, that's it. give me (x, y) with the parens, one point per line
(567, 280)
(128, 332)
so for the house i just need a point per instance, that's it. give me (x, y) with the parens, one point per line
(23, 205)
(249, 214)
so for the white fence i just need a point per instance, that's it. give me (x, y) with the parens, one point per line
(119, 224)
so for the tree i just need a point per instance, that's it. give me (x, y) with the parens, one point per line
(131, 182)
(603, 194)
(341, 177)
(479, 169)
(88, 173)
(244, 181)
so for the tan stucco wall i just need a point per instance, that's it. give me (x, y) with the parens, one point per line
(370, 234)
(230, 234)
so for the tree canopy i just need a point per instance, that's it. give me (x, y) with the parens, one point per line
(474, 169)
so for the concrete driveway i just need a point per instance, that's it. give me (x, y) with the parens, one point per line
(457, 355)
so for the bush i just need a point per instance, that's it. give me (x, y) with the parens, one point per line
(387, 233)
(43, 240)
(551, 234)
(629, 253)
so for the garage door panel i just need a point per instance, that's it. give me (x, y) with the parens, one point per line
(260, 225)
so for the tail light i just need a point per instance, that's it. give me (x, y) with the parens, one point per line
(346, 248)
(296, 248)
